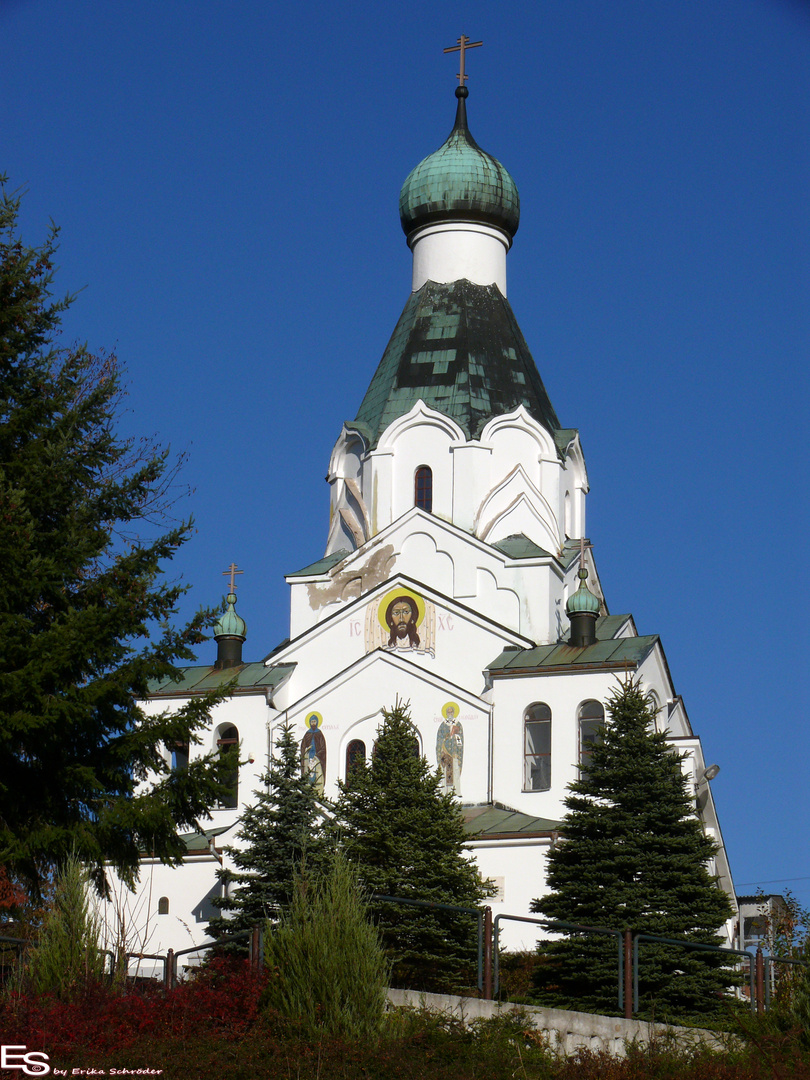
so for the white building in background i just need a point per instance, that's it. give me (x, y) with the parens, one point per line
(455, 578)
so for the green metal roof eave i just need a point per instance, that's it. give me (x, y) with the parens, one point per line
(362, 429)
(199, 843)
(519, 546)
(494, 822)
(247, 678)
(322, 566)
(563, 437)
(543, 659)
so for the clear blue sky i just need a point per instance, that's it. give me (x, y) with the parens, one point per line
(226, 179)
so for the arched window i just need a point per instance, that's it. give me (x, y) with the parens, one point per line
(537, 747)
(163, 905)
(228, 743)
(591, 719)
(355, 754)
(423, 488)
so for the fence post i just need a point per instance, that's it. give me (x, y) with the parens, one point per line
(168, 970)
(759, 979)
(628, 974)
(488, 953)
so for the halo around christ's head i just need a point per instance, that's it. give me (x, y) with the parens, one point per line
(392, 595)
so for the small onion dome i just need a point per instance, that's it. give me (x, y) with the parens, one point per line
(582, 609)
(230, 631)
(583, 601)
(460, 182)
(230, 624)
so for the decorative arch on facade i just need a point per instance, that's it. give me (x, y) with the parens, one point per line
(522, 420)
(511, 491)
(419, 415)
(537, 747)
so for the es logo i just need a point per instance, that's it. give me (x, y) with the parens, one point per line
(34, 1063)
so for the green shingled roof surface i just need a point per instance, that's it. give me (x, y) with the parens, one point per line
(612, 653)
(492, 820)
(459, 348)
(197, 680)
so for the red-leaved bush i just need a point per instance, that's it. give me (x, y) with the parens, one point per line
(222, 1000)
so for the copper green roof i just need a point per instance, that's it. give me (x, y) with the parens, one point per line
(614, 653)
(492, 821)
(459, 348)
(323, 565)
(229, 624)
(583, 601)
(198, 680)
(519, 546)
(459, 182)
(200, 843)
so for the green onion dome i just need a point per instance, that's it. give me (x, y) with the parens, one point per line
(460, 182)
(229, 624)
(583, 601)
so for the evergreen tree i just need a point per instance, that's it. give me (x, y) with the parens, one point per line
(407, 839)
(282, 831)
(633, 855)
(83, 608)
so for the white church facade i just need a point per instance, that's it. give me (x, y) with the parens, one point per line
(456, 578)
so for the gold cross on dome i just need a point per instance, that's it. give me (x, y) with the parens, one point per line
(233, 572)
(463, 44)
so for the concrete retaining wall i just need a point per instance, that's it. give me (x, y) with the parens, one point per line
(567, 1031)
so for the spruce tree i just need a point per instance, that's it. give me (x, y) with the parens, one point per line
(84, 609)
(407, 839)
(283, 834)
(633, 855)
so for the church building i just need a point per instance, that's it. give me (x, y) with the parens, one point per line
(456, 577)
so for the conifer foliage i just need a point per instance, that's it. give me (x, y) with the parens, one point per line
(328, 971)
(633, 854)
(84, 611)
(282, 831)
(406, 838)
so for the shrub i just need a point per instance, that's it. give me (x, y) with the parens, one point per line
(67, 956)
(327, 968)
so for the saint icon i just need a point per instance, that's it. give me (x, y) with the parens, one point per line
(450, 749)
(313, 753)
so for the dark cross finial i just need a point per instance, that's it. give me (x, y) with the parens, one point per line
(463, 44)
(233, 572)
